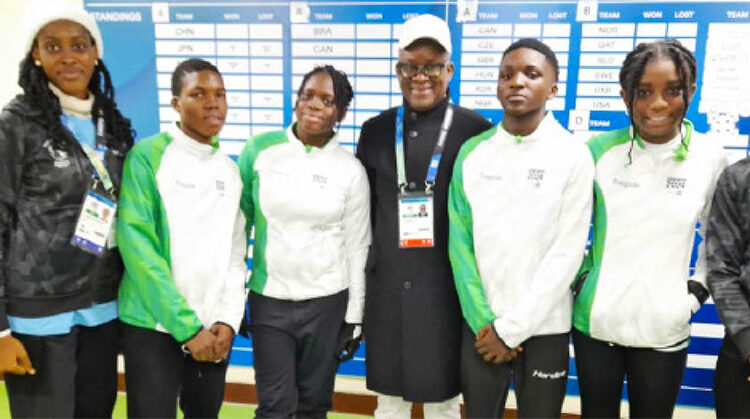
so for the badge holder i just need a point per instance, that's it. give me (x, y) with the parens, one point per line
(95, 223)
(416, 220)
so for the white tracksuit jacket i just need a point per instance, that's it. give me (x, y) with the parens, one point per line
(645, 215)
(181, 236)
(519, 211)
(311, 211)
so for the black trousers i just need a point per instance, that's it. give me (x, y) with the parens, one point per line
(294, 349)
(731, 388)
(76, 374)
(157, 373)
(539, 374)
(653, 376)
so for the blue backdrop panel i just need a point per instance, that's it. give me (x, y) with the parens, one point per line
(264, 47)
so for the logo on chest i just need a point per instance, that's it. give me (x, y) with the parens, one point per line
(60, 158)
(319, 180)
(676, 185)
(535, 177)
(220, 187)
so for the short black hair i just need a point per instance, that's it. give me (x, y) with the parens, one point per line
(342, 89)
(191, 65)
(538, 46)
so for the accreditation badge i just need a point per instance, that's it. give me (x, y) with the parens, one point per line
(416, 222)
(95, 224)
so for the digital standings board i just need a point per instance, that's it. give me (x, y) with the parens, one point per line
(263, 48)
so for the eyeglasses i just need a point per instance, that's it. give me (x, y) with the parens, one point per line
(410, 70)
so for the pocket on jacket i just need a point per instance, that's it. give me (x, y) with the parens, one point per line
(669, 313)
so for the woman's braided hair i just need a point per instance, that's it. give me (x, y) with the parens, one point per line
(635, 65)
(34, 82)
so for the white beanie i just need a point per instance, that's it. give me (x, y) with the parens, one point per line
(51, 12)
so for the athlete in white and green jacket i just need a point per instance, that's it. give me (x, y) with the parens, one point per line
(654, 180)
(519, 206)
(307, 205)
(308, 200)
(519, 211)
(644, 223)
(181, 234)
(182, 237)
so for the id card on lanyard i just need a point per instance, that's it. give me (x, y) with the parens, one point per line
(95, 223)
(416, 225)
(94, 232)
(416, 221)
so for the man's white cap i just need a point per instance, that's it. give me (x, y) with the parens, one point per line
(425, 26)
(51, 11)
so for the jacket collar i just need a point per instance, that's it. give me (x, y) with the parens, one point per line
(548, 128)
(191, 145)
(681, 151)
(332, 143)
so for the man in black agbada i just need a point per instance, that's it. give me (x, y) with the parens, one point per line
(412, 320)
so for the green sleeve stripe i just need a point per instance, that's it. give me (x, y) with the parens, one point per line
(148, 294)
(250, 199)
(474, 305)
(591, 263)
